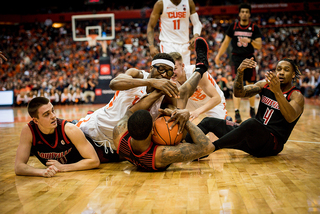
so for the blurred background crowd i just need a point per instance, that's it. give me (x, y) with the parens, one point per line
(45, 61)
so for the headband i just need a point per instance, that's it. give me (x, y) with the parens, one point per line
(163, 61)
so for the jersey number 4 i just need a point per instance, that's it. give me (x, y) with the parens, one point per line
(267, 116)
(176, 24)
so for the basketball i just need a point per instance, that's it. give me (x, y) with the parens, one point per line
(162, 135)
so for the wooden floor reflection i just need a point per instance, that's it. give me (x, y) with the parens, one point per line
(228, 181)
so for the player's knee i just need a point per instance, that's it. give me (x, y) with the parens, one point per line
(250, 124)
(210, 120)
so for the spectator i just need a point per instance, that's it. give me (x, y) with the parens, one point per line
(53, 96)
(89, 88)
(77, 97)
(66, 97)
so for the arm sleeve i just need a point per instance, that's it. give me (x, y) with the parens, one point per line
(197, 26)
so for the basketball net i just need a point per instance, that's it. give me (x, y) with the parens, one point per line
(92, 41)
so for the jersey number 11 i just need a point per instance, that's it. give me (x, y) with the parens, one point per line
(176, 24)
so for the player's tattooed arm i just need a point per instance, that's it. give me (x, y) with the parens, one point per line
(249, 90)
(238, 89)
(187, 89)
(246, 91)
(185, 151)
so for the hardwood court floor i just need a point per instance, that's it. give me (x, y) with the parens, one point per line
(228, 181)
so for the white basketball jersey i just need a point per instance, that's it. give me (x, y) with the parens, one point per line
(99, 125)
(174, 22)
(200, 98)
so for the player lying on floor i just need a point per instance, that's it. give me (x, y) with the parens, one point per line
(132, 135)
(58, 144)
(133, 139)
(131, 87)
(280, 108)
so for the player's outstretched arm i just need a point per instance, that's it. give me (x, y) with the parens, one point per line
(134, 78)
(208, 87)
(202, 146)
(186, 90)
(131, 79)
(250, 90)
(22, 156)
(90, 158)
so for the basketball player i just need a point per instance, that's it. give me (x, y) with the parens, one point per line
(132, 135)
(174, 22)
(280, 108)
(244, 37)
(58, 144)
(208, 97)
(131, 87)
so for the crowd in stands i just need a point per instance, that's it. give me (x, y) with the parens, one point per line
(45, 61)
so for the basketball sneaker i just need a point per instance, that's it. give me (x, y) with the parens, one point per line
(202, 48)
(252, 112)
(237, 117)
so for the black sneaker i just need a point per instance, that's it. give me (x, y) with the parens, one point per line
(237, 117)
(202, 49)
(252, 112)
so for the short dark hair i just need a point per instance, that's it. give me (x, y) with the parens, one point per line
(163, 56)
(35, 104)
(246, 6)
(294, 66)
(140, 125)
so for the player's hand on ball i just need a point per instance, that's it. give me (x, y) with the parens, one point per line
(166, 111)
(180, 116)
(50, 171)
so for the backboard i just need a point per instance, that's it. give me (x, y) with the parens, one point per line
(102, 25)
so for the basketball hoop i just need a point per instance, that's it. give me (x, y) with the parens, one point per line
(92, 40)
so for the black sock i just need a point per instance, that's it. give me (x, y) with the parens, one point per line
(201, 68)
